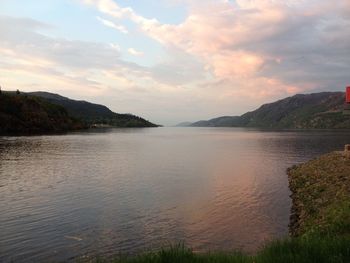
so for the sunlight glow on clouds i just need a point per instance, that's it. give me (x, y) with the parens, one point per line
(224, 58)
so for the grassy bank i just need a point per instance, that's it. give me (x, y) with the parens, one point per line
(320, 222)
(291, 250)
(321, 196)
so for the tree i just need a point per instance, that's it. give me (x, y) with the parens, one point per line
(17, 92)
(0, 89)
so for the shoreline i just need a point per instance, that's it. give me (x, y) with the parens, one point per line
(320, 195)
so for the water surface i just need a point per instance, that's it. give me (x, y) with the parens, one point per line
(113, 191)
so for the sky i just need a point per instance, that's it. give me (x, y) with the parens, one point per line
(175, 60)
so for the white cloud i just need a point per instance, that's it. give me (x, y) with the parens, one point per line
(56, 62)
(108, 23)
(135, 52)
(115, 46)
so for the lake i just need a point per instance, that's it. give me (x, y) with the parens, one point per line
(105, 192)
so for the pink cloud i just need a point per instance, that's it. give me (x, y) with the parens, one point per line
(235, 64)
(212, 31)
(249, 43)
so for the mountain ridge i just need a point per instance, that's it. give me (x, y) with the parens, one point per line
(26, 113)
(323, 110)
(92, 113)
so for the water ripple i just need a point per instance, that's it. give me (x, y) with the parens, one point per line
(125, 191)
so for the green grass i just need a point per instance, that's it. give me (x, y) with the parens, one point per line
(292, 250)
(307, 249)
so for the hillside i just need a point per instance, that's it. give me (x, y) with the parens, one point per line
(225, 121)
(302, 111)
(321, 196)
(184, 124)
(90, 113)
(22, 114)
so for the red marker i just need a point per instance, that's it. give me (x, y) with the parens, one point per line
(348, 94)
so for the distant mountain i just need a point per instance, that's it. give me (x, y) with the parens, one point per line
(225, 121)
(23, 114)
(90, 113)
(303, 111)
(184, 124)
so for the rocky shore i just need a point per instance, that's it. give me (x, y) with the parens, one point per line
(321, 196)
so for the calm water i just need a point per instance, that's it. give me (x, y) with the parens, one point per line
(112, 191)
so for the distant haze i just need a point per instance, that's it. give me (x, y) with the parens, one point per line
(172, 61)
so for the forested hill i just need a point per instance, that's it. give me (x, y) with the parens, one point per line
(90, 113)
(303, 111)
(23, 114)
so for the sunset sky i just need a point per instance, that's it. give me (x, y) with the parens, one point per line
(175, 60)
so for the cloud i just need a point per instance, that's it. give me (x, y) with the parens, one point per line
(225, 57)
(108, 23)
(301, 43)
(178, 68)
(60, 63)
(111, 8)
(31, 61)
(135, 52)
(26, 43)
